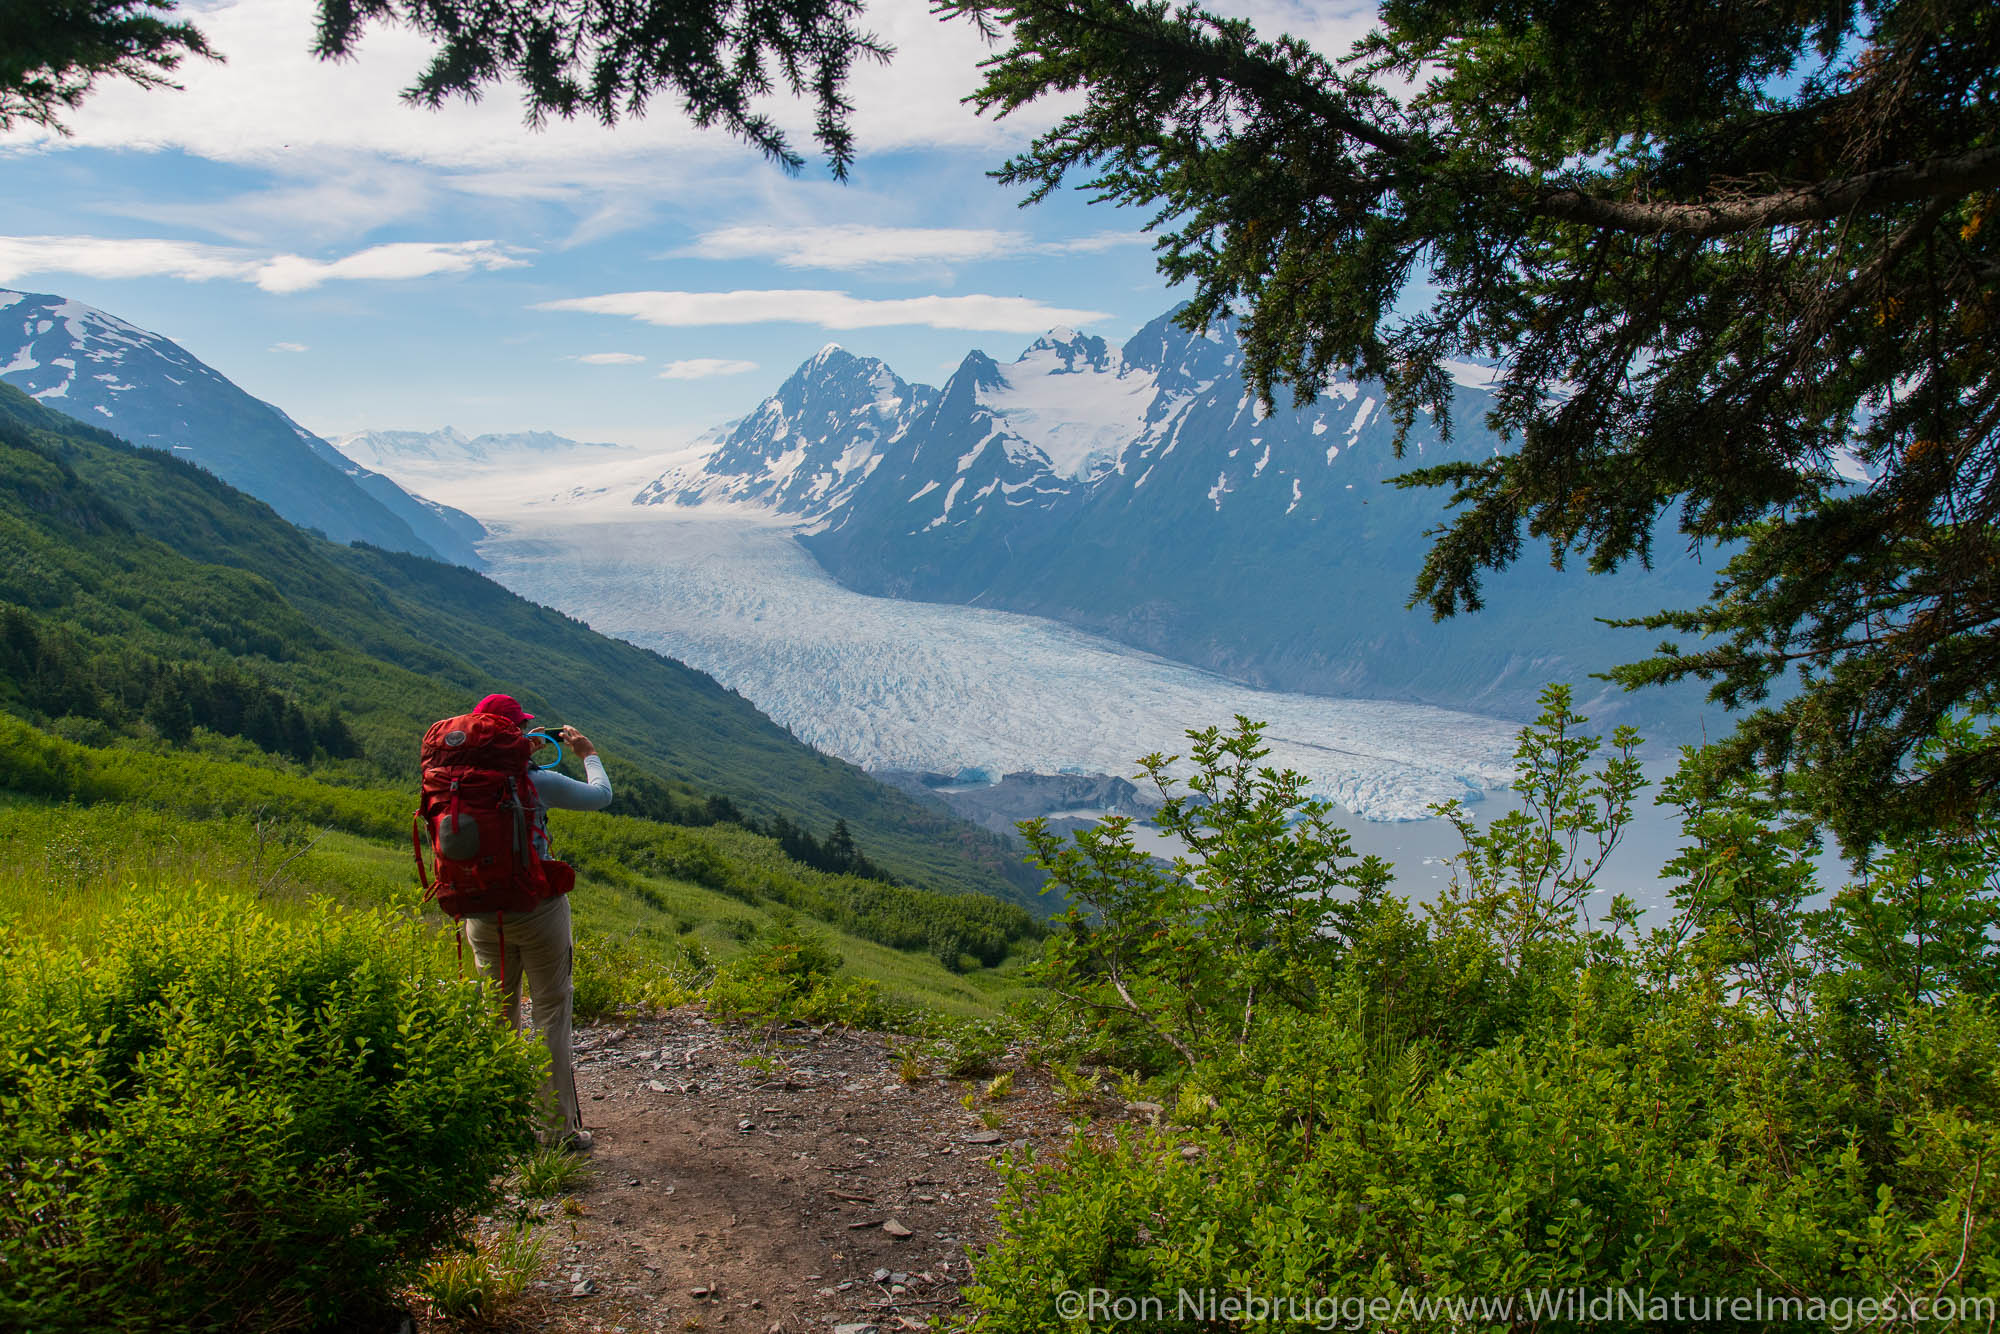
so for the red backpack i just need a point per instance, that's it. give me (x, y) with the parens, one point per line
(478, 809)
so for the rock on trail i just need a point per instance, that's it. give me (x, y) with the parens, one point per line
(768, 1181)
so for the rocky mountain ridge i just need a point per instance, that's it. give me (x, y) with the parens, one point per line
(1140, 492)
(107, 373)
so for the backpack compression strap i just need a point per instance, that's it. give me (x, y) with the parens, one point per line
(417, 851)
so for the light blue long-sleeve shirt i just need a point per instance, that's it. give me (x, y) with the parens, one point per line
(560, 792)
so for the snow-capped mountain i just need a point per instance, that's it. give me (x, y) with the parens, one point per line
(424, 451)
(808, 446)
(1140, 492)
(151, 391)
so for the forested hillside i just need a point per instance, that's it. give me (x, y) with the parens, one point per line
(145, 597)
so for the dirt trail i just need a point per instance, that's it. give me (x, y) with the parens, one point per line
(783, 1181)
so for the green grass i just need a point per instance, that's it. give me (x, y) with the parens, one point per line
(476, 1284)
(552, 1170)
(66, 867)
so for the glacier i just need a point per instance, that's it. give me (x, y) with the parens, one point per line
(889, 684)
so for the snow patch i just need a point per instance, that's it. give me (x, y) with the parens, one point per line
(971, 456)
(1361, 417)
(950, 498)
(1079, 421)
(1850, 468)
(1471, 375)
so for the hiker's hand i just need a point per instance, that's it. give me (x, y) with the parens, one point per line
(578, 742)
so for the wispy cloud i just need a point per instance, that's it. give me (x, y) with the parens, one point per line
(401, 259)
(610, 358)
(330, 198)
(1096, 243)
(828, 310)
(853, 246)
(290, 347)
(705, 368)
(120, 257)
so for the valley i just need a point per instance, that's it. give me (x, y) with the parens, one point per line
(975, 694)
(887, 684)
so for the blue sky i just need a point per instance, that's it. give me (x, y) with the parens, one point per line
(363, 263)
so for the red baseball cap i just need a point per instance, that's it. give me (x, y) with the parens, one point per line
(504, 706)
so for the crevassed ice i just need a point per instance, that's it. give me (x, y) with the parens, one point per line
(889, 684)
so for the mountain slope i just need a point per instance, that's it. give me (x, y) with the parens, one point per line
(808, 447)
(1137, 492)
(141, 554)
(152, 392)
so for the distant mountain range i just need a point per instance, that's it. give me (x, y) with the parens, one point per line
(1134, 491)
(150, 391)
(1139, 492)
(423, 451)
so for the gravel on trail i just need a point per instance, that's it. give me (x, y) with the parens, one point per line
(772, 1180)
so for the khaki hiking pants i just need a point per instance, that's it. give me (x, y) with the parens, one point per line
(538, 950)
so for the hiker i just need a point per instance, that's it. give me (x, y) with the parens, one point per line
(517, 917)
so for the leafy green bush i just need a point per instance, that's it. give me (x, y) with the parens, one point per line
(1495, 1096)
(614, 973)
(794, 974)
(217, 1120)
(961, 1049)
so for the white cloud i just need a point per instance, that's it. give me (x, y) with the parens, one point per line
(851, 246)
(828, 310)
(331, 197)
(347, 154)
(290, 347)
(704, 368)
(401, 259)
(99, 257)
(854, 246)
(610, 358)
(122, 257)
(1096, 243)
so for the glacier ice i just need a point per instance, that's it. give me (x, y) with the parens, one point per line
(890, 684)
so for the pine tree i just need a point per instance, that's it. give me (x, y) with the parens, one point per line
(1727, 257)
(169, 711)
(838, 853)
(610, 58)
(53, 51)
